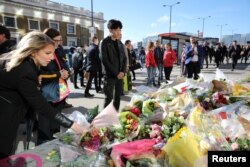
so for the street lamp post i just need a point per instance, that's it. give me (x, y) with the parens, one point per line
(221, 26)
(92, 14)
(92, 29)
(203, 23)
(170, 15)
(232, 33)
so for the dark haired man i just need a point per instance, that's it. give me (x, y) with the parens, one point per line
(234, 53)
(114, 63)
(158, 55)
(5, 44)
(93, 65)
(193, 58)
(131, 57)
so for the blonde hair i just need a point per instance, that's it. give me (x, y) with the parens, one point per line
(31, 42)
(150, 45)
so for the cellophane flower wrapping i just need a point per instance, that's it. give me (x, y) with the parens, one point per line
(94, 139)
(208, 130)
(149, 106)
(182, 149)
(107, 117)
(133, 150)
(181, 104)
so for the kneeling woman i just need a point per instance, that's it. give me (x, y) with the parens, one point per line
(19, 88)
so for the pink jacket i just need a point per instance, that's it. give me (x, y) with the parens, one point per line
(169, 58)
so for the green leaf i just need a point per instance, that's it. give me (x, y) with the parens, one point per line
(93, 112)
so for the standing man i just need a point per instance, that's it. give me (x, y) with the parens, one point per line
(131, 57)
(206, 51)
(114, 64)
(93, 66)
(77, 66)
(193, 57)
(234, 53)
(5, 44)
(158, 55)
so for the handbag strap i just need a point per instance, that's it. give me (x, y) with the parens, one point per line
(57, 62)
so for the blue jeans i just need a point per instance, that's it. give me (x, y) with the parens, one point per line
(151, 75)
(160, 72)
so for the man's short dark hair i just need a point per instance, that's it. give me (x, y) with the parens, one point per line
(93, 39)
(5, 31)
(127, 42)
(51, 32)
(114, 24)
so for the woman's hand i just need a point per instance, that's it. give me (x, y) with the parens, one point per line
(78, 129)
(64, 74)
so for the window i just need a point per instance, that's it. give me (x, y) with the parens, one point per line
(34, 24)
(71, 41)
(10, 21)
(71, 29)
(55, 25)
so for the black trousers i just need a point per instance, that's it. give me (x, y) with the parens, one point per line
(112, 90)
(92, 75)
(167, 71)
(193, 69)
(76, 72)
(100, 75)
(234, 61)
(133, 73)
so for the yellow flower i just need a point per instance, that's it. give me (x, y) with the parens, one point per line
(177, 134)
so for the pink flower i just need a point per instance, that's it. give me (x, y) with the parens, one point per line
(155, 127)
(152, 134)
(234, 146)
(158, 132)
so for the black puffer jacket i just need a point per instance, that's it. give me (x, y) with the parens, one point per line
(113, 63)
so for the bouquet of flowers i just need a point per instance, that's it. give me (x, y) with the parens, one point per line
(171, 125)
(182, 149)
(149, 106)
(219, 100)
(240, 145)
(129, 121)
(94, 138)
(239, 90)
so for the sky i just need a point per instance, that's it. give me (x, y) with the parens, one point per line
(142, 18)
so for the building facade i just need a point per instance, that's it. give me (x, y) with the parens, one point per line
(74, 23)
(240, 38)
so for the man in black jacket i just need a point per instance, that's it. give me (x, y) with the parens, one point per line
(5, 44)
(234, 53)
(93, 65)
(114, 63)
(158, 55)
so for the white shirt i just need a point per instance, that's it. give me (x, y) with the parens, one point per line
(195, 57)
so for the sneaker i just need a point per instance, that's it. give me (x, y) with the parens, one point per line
(76, 87)
(88, 95)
